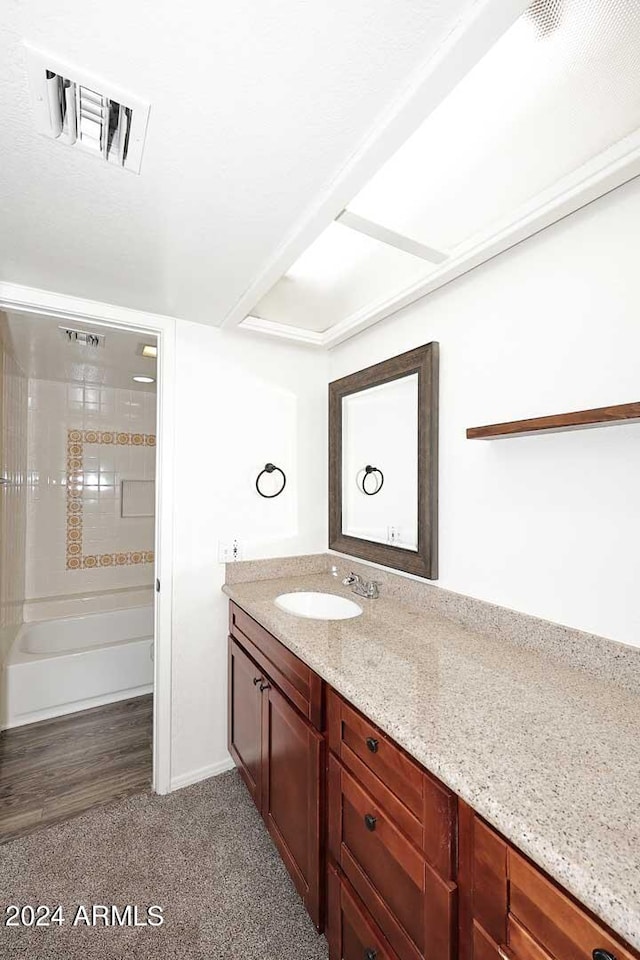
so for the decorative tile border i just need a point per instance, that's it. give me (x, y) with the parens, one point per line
(76, 439)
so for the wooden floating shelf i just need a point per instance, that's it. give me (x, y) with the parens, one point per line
(579, 420)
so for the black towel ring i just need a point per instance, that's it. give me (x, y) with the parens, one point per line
(270, 468)
(368, 470)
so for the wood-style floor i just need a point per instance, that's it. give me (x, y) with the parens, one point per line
(53, 770)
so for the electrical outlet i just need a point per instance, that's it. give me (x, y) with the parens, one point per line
(393, 534)
(229, 552)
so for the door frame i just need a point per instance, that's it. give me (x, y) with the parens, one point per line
(21, 299)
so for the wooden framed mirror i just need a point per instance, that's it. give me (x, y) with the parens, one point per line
(383, 463)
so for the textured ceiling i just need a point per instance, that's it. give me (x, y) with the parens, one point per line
(255, 108)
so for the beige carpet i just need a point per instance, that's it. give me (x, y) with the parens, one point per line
(202, 854)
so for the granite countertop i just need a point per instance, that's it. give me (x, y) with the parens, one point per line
(546, 752)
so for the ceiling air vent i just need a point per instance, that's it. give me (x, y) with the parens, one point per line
(80, 111)
(83, 337)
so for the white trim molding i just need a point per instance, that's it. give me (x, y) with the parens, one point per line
(203, 773)
(283, 331)
(21, 299)
(483, 24)
(377, 232)
(599, 176)
(14, 296)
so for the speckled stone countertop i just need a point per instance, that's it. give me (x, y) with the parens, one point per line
(543, 750)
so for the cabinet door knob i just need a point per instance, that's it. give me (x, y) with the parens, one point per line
(372, 743)
(600, 954)
(257, 680)
(370, 953)
(370, 823)
(265, 686)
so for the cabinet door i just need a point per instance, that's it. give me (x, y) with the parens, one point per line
(245, 719)
(293, 755)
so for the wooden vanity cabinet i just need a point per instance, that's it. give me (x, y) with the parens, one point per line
(293, 759)
(244, 727)
(279, 752)
(352, 933)
(391, 837)
(510, 910)
(403, 869)
(300, 685)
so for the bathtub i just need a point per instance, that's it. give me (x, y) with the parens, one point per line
(61, 666)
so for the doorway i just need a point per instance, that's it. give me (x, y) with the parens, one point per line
(82, 665)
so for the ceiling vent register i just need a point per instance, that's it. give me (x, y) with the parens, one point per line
(83, 337)
(79, 111)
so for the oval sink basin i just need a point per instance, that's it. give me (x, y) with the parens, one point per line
(318, 606)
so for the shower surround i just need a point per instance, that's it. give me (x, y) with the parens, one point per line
(81, 553)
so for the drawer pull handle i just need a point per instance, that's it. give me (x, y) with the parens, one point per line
(370, 954)
(370, 823)
(372, 743)
(265, 686)
(600, 954)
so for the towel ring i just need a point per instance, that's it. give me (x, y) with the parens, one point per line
(270, 468)
(368, 470)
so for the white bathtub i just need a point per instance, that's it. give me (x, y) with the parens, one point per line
(61, 666)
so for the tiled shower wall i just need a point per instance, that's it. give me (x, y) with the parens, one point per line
(83, 442)
(13, 495)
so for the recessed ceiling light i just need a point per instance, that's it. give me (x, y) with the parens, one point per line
(149, 351)
(145, 379)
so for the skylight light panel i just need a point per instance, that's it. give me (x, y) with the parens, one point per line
(333, 255)
(559, 88)
(342, 272)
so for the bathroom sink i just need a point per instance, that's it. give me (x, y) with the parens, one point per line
(318, 606)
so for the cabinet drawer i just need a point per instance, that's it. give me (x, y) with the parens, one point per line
(561, 926)
(411, 904)
(521, 945)
(423, 808)
(351, 933)
(300, 684)
(488, 886)
(484, 948)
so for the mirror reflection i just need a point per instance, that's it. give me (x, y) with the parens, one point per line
(380, 463)
(383, 462)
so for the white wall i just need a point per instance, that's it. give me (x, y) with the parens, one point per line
(240, 403)
(548, 525)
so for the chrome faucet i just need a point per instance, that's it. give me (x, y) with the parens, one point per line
(364, 588)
